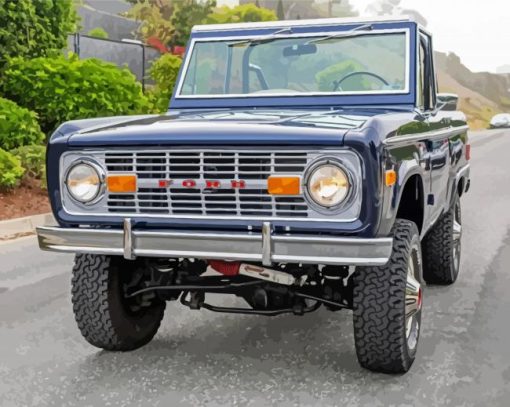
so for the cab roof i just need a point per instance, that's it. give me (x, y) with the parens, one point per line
(301, 23)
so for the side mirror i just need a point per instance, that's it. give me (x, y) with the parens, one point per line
(447, 101)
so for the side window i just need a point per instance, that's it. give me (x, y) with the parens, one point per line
(421, 76)
(427, 96)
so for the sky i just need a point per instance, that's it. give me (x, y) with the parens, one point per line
(478, 31)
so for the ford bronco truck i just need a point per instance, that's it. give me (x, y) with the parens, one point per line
(300, 164)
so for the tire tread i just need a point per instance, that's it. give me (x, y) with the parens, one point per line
(379, 307)
(93, 305)
(437, 247)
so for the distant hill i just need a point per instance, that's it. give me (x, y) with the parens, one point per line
(503, 69)
(481, 94)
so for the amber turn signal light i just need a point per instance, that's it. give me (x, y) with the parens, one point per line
(390, 178)
(284, 185)
(121, 183)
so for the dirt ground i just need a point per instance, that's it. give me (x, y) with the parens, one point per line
(28, 199)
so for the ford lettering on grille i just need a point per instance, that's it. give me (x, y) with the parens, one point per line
(206, 183)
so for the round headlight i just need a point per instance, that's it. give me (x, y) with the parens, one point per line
(328, 185)
(83, 182)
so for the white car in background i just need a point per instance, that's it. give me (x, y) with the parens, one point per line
(500, 121)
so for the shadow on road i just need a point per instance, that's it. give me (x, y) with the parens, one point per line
(234, 352)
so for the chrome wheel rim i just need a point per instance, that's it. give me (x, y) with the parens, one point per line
(457, 236)
(413, 302)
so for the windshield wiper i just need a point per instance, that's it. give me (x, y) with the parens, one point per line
(263, 39)
(317, 113)
(351, 33)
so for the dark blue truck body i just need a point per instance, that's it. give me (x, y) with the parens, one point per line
(365, 210)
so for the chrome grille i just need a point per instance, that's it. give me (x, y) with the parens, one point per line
(224, 166)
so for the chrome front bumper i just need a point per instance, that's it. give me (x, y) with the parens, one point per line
(265, 247)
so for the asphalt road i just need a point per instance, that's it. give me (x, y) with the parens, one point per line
(203, 358)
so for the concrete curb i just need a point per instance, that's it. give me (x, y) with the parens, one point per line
(12, 228)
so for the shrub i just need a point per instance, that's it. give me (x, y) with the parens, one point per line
(34, 28)
(33, 160)
(164, 72)
(18, 126)
(11, 170)
(98, 32)
(240, 14)
(61, 89)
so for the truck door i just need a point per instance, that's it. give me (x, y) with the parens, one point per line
(438, 149)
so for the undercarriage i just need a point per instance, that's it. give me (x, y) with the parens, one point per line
(284, 289)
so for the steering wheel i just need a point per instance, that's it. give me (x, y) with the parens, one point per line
(336, 84)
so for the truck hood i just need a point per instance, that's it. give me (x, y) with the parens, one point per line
(220, 127)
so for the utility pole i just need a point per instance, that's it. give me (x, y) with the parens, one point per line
(330, 6)
(280, 12)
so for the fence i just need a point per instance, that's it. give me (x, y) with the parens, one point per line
(134, 55)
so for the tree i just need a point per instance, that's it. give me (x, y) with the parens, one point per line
(34, 28)
(342, 8)
(240, 14)
(155, 16)
(335, 8)
(280, 12)
(187, 14)
(166, 7)
(169, 22)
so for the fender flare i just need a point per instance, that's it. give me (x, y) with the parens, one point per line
(414, 171)
(462, 176)
(393, 201)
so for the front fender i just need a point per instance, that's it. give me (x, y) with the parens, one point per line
(408, 161)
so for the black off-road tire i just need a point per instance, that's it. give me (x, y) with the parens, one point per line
(441, 261)
(100, 309)
(379, 305)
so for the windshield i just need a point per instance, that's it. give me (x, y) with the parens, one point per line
(356, 63)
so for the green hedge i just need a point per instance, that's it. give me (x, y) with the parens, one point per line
(11, 170)
(18, 126)
(32, 159)
(60, 89)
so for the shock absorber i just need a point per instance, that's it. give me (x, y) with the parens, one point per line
(334, 288)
